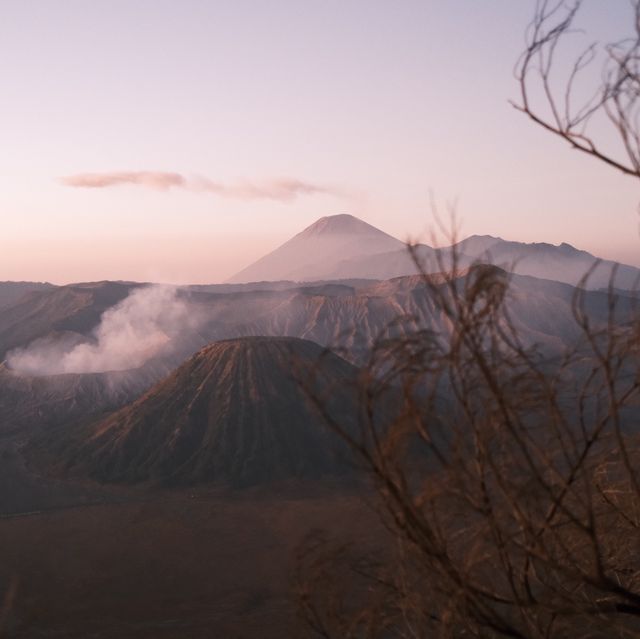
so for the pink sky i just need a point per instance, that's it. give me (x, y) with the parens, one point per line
(223, 128)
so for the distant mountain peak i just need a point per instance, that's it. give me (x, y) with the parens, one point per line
(313, 253)
(341, 224)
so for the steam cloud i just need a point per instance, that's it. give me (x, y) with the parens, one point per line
(128, 335)
(283, 190)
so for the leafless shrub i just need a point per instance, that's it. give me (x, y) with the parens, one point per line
(508, 480)
(555, 103)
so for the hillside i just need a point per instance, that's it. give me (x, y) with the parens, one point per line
(353, 319)
(30, 402)
(73, 308)
(234, 413)
(563, 263)
(12, 292)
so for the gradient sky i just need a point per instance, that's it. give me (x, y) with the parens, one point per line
(378, 102)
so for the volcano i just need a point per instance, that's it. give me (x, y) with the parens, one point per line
(239, 412)
(313, 253)
(343, 247)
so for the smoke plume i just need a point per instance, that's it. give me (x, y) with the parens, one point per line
(129, 334)
(283, 190)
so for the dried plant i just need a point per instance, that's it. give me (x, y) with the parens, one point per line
(507, 477)
(563, 106)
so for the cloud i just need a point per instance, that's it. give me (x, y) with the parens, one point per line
(282, 190)
(157, 180)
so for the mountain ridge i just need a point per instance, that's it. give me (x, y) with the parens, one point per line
(368, 253)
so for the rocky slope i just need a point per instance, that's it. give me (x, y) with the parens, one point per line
(12, 292)
(340, 316)
(74, 308)
(353, 319)
(29, 403)
(234, 413)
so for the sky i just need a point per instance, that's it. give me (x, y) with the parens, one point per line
(180, 140)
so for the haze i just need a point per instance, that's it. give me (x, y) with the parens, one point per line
(178, 142)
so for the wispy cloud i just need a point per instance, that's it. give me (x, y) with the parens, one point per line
(158, 180)
(283, 189)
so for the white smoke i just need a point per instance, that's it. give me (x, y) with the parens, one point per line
(129, 334)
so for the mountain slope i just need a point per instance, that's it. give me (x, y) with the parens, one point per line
(342, 247)
(75, 308)
(29, 403)
(313, 253)
(336, 316)
(12, 292)
(233, 413)
(563, 263)
(396, 263)
(352, 319)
